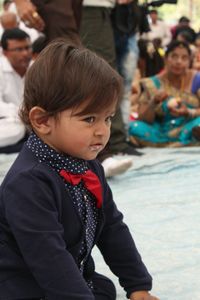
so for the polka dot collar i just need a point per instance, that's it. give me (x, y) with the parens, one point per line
(55, 160)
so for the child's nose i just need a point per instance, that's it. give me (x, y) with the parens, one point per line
(102, 129)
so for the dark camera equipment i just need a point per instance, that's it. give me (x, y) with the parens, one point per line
(132, 17)
(161, 2)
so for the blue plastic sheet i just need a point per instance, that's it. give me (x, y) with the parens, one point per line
(160, 199)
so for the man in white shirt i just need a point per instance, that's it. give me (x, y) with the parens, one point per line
(159, 30)
(14, 63)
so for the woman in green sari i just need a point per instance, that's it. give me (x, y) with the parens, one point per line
(168, 104)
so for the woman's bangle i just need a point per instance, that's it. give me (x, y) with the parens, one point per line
(191, 112)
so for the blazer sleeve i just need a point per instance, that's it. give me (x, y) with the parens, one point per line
(31, 211)
(119, 251)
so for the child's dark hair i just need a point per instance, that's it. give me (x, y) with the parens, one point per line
(176, 44)
(64, 76)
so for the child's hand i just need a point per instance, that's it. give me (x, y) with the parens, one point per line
(142, 295)
(160, 96)
(181, 111)
(174, 103)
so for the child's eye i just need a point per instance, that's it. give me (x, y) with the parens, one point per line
(109, 119)
(89, 120)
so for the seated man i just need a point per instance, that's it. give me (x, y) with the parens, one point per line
(14, 63)
(8, 20)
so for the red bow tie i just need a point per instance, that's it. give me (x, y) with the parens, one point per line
(91, 182)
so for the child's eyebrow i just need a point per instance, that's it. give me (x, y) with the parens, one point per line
(113, 112)
(83, 114)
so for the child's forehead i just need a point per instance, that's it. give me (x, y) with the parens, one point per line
(85, 109)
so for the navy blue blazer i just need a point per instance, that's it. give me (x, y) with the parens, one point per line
(41, 234)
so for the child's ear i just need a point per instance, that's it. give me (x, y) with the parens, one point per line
(40, 120)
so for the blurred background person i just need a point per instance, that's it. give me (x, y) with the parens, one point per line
(159, 30)
(167, 106)
(6, 4)
(9, 19)
(184, 26)
(37, 46)
(125, 22)
(98, 35)
(196, 57)
(60, 18)
(152, 44)
(14, 63)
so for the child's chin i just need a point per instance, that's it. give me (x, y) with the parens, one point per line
(87, 156)
(91, 156)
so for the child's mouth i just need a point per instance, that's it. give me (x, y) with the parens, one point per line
(96, 147)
